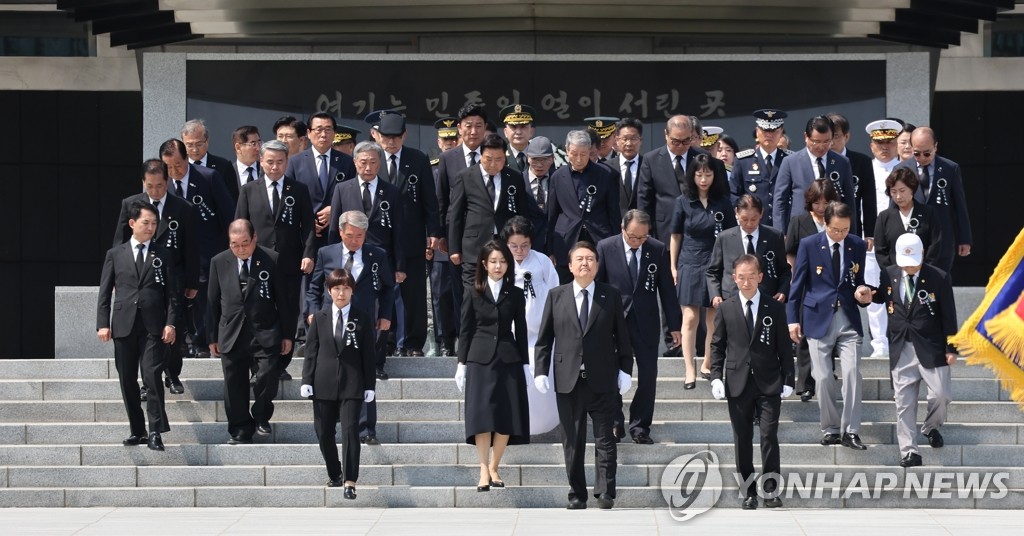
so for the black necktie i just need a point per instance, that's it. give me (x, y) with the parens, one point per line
(349, 262)
(198, 162)
(490, 188)
(750, 316)
(768, 165)
(243, 274)
(750, 244)
(627, 177)
(324, 168)
(521, 161)
(679, 170)
(925, 180)
(367, 203)
(634, 266)
(821, 168)
(584, 311)
(393, 170)
(275, 199)
(541, 196)
(248, 172)
(835, 262)
(339, 331)
(140, 260)
(178, 189)
(472, 158)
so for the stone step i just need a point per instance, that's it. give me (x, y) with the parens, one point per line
(448, 454)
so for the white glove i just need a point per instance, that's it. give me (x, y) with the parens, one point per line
(787, 391)
(542, 384)
(718, 389)
(460, 377)
(306, 391)
(368, 396)
(625, 382)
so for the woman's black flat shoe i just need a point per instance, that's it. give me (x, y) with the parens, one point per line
(483, 488)
(690, 385)
(705, 375)
(497, 483)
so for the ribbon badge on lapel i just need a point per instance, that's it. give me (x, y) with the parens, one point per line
(652, 270)
(588, 202)
(834, 177)
(265, 284)
(172, 236)
(288, 214)
(350, 334)
(769, 262)
(205, 212)
(414, 187)
(339, 176)
(912, 225)
(376, 276)
(856, 186)
(385, 213)
(158, 270)
(766, 330)
(511, 197)
(528, 285)
(719, 218)
(940, 195)
(817, 270)
(926, 300)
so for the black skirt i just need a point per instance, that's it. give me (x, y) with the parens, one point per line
(496, 401)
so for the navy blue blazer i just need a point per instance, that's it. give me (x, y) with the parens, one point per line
(567, 216)
(385, 216)
(948, 204)
(654, 283)
(814, 291)
(797, 173)
(375, 295)
(302, 168)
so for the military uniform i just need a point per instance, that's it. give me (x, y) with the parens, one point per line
(752, 173)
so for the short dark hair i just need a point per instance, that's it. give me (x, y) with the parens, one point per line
(493, 141)
(837, 209)
(909, 127)
(747, 201)
(730, 141)
(582, 244)
(136, 208)
(630, 122)
(719, 185)
(340, 276)
(173, 147)
(154, 166)
(291, 121)
(820, 124)
(817, 190)
(517, 225)
(595, 139)
(904, 175)
(746, 258)
(241, 134)
(641, 217)
(322, 115)
(839, 123)
(470, 110)
(243, 225)
(480, 284)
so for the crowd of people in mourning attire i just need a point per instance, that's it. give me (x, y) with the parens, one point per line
(552, 272)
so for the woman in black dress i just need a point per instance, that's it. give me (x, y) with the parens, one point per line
(817, 196)
(905, 216)
(494, 362)
(703, 211)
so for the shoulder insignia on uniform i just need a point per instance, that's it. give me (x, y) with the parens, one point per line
(745, 153)
(435, 161)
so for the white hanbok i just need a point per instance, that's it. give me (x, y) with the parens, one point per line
(542, 278)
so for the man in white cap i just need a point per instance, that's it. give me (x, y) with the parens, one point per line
(922, 314)
(883, 135)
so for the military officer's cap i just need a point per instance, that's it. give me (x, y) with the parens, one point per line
(373, 118)
(769, 118)
(516, 114)
(883, 130)
(345, 133)
(709, 136)
(391, 125)
(446, 128)
(604, 126)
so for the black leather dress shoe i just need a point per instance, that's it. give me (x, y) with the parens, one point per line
(285, 375)
(155, 442)
(142, 395)
(447, 352)
(750, 503)
(831, 439)
(705, 375)
(335, 482)
(643, 439)
(853, 441)
(689, 385)
(350, 493)
(911, 460)
(263, 429)
(175, 386)
(133, 440)
(806, 396)
(618, 432)
(605, 501)
(675, 351)
(935, 439)
(414, 353)
(369, 440)
(381, 375)
(239, 440)
(576, 504)
(773, 502)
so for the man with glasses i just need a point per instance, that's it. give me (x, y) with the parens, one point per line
(197, 143)
(756, 170)
(629, 137)
(663, 172)
(246, 167)
(799, 170)
(942, 189)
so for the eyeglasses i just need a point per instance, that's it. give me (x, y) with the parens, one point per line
(630, 140)
(519, 247)
(634, 237)
(322, 130)
(195, 145)
(676, 142)
(252, 143)
(838, 230)
(819, 143)
(925, 154)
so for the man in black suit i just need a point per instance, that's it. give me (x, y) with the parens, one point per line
(750, 237)
(583, 204)
(638, 267)
(922, 316)
(752, 365)
(144, 280)
(485, 196)
(540, 158)
(280, 211)
(177, 234)
(215, 208)
(584, 326)
(627, 162)
(409, 170)
(245, 168)
(196, 138)
(663, 171)
(251, 319)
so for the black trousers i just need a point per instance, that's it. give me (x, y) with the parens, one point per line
(141, 352)
(741, 413)
(442, 297)
(242, 422)
(573, 409)
(293, 288)
(414, 299)
(326, 413)
(804, 380)
(195, 313)
(641, 409)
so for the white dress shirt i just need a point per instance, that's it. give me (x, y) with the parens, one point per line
(344, 315)
(629, 255)
(743, 238)
(135, 248)
(270, 196)
(495, 287)
(357, 261)
(160, 207)
(841, 254)
(373, 191)
(243, 177)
